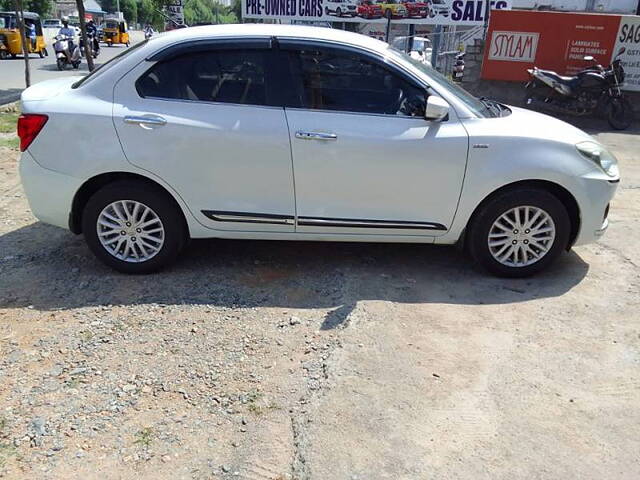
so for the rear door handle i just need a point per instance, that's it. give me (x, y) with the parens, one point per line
(316, 135)
(145, 121)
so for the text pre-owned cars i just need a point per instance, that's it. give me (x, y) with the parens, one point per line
(300, 133)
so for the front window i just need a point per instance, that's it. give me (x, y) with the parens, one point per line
(438, 80)
(339, 80)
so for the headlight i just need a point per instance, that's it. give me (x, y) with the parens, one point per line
(600, 155)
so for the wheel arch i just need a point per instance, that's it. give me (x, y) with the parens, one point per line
(92, 185)
(561, 193)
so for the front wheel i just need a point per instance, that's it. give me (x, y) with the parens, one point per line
(133, 227)
(60, 63)
(519, 232)
(619, 113)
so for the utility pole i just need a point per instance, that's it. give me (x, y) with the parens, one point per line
(638, 10)
(83, 34)
(23, 39)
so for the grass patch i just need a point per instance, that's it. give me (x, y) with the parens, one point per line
(6, 451)
(257, 405)
(8, 121)
(144, 437)
(10, 142)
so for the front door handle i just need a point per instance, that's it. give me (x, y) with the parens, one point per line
(315, 135)
(145, 121)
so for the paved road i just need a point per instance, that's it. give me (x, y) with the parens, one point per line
(12, 70)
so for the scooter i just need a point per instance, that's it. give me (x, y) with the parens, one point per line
(94, 47)
(65, 57)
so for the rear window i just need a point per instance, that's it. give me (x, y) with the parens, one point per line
(105, 66)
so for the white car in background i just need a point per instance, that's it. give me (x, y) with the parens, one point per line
(439, 7)
(341, 8)
(204, 132)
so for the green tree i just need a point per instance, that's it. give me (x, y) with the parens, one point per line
(109, 6)
(129, 10)
(198, 11)
(148, 13)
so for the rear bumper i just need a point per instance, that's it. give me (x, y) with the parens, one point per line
(50, 194)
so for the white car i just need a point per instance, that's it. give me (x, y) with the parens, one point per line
(341, 8)
(300, 133)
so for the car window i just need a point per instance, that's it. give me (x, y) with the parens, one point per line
(337, 79)
(225, 76)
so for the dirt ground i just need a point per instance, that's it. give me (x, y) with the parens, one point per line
(308, 361)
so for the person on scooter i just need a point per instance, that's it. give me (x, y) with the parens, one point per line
(69, 32)
(148, 31)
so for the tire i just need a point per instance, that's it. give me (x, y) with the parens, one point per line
(166, 244)
(520, 264)
(3, 54)
(60, 64)
(338, 12)
(326, 11)
(619, 113)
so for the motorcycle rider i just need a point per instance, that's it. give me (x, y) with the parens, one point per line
(148, 31)
(68, 32)
(92, 32)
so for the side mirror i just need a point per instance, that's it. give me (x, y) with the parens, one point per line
(437, 109)
(589, 58)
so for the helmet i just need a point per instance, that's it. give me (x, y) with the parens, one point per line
(65, 20)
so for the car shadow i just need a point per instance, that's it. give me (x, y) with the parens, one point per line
(48, 268)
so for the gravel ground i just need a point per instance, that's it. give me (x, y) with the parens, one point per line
(276, 360)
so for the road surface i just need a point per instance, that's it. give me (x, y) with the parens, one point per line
(12, 70)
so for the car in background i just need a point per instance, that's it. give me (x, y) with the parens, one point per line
(392, 8)
(341, 8)
(419, 49)
(368, 9)
(416, 8)
(438, 7)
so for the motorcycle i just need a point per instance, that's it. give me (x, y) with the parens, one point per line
(458, 67)
(595, 89)
(94, 47)
(65, 57)
(148, 34)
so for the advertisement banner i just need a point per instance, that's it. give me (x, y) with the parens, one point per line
(428, 12)
(518, 40)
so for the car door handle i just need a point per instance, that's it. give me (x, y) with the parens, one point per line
(145, 121)
(315, 135)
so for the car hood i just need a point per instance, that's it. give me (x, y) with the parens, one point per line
(526, 124)
(48, 88)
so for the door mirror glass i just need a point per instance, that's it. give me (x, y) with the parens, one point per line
(437, 109)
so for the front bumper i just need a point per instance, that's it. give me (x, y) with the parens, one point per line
(50, 194)
(593, 204)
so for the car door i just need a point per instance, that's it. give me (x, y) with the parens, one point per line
(204, 117)
(366, 161)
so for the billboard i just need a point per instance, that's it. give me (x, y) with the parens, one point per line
(429, 12)
(518, 40)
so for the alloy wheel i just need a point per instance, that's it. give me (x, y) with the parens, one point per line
(521, 236)
(130, 231)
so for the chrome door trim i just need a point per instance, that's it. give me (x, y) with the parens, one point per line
(247, 217)
(144, 120)
(363, 223)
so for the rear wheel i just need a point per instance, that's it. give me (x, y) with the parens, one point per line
(519, 232)
(133, 227)
(60, 63)
(619, 113)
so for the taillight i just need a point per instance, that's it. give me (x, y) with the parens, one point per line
(29, 126)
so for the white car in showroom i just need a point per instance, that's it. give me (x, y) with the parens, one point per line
(300, 133)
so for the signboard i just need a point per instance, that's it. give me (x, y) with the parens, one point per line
(518, 40)
(429, 12)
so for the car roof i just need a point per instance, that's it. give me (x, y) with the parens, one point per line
(265, 30)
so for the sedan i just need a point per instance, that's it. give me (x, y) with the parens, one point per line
(299, 133)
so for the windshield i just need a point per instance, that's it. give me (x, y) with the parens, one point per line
(437, 79)
(110, 63)
(7, 21)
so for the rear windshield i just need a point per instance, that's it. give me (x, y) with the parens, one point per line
(105, 66)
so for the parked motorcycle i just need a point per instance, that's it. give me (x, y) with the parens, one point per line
(64, 57)
(595, 89)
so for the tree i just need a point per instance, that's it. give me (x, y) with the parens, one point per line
(236, 9)
(17, 5)
(129, 10)
(83, 33)
(109, 6)
(198, 11)
(41, 7)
